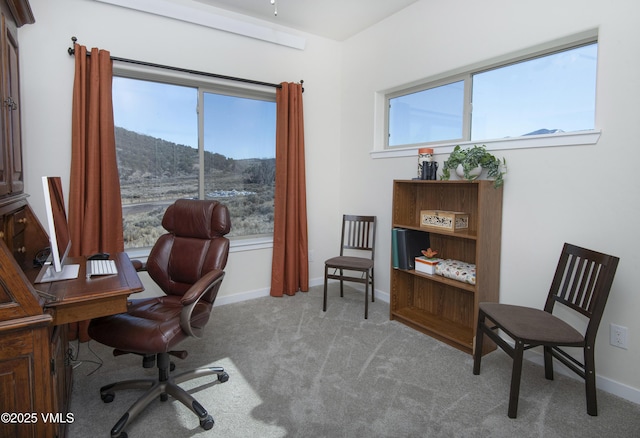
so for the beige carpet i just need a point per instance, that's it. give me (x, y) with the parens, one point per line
(296, 371)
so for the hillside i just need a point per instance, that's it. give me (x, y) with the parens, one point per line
(155, 172)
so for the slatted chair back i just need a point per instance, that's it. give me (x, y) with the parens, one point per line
(358, 233)
(582, 282)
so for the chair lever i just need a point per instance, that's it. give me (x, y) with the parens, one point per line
(181, 354)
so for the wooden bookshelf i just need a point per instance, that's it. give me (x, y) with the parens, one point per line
(437, 306)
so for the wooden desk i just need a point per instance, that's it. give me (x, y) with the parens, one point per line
(85, 298)
(35, 370)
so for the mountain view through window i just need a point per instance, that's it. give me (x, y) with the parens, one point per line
(159, 159)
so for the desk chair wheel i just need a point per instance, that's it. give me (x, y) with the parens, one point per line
(223, 377)
(207, 423)
(107, 397)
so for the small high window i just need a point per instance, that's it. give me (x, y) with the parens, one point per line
(547, 93)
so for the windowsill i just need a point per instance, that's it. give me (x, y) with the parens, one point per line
(236, 245)
(581, 138)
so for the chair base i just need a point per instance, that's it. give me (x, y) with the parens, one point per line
(162, 388)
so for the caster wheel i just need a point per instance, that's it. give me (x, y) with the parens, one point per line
(223, 377)
(108, 398)
(172, 366)
(207, 423)
(123, 435)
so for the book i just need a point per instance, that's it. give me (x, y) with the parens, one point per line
(410, 243)
(394, 248)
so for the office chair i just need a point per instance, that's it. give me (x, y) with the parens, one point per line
(358, 237)
(187, 264)
(581, 283)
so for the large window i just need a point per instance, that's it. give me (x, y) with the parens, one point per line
(548, 93)
(161, 156)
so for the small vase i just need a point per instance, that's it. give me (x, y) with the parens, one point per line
(473, 173)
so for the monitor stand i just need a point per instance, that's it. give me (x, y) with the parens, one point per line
(48, 273)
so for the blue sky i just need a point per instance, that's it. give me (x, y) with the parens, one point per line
(552, 92)
(234, 127)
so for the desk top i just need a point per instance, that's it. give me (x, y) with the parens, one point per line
(86, 298)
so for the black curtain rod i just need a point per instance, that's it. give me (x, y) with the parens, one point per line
(71, 52)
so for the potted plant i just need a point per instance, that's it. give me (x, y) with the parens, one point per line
(471, 161)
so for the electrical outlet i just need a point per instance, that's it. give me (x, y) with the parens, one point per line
(618, 336)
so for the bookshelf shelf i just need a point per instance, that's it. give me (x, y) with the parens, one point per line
(437, 306)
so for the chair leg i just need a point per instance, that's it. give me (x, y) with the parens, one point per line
(324, 302)
(590, 380)
(341, 283)
(366, 297)
(548, 363)
(516, 374)
(373, 298)
(477, 353)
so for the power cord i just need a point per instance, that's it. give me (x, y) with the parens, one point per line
(73, 354)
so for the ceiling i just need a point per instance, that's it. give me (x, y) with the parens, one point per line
(335, 19)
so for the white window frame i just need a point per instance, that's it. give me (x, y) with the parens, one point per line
(207, 85)
(381, 127)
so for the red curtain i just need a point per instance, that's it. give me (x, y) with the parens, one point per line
(95, 209)
(290, 264)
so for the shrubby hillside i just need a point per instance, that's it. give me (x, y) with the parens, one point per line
(155, 172)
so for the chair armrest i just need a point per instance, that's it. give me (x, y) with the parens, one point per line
(202, 286)
(193, 296)
(139, 265)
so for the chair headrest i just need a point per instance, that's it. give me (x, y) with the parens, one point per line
(200, 219)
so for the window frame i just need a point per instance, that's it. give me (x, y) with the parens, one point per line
(202, 84)
(381, 140)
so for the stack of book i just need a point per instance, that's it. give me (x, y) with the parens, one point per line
(406, 245)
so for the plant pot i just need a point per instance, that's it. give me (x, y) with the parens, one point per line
(473, 173)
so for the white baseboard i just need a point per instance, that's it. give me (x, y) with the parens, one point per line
(604, 383)
(259, 293)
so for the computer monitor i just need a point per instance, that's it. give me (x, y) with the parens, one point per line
(55, 268)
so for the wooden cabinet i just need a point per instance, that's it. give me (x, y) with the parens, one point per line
(440, 307)
(34, 372)
(13, 14)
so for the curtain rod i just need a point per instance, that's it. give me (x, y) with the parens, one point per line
(71, 52)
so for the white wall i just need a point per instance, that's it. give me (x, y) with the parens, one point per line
(584, 195)
(47, 80)
(587, 195)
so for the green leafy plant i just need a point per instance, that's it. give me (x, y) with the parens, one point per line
(470, 159)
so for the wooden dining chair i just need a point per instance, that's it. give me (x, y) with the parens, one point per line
(357, 251)
(582, 282)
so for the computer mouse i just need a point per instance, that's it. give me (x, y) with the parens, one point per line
(99, 256)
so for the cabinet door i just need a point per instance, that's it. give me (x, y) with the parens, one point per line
(5, 168)
(16, 383)
(12, 106)
(11, 171)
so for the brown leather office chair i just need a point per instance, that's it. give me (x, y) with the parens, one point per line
(187, 264)
(581, 283)
(358, 237)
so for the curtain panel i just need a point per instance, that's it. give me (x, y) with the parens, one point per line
(95, 208)
(290, 264)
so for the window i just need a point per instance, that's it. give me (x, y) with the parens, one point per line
(427, 116)
(162, 158)
(548, 93)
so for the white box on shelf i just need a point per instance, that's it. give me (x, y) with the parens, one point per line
(428, 266)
